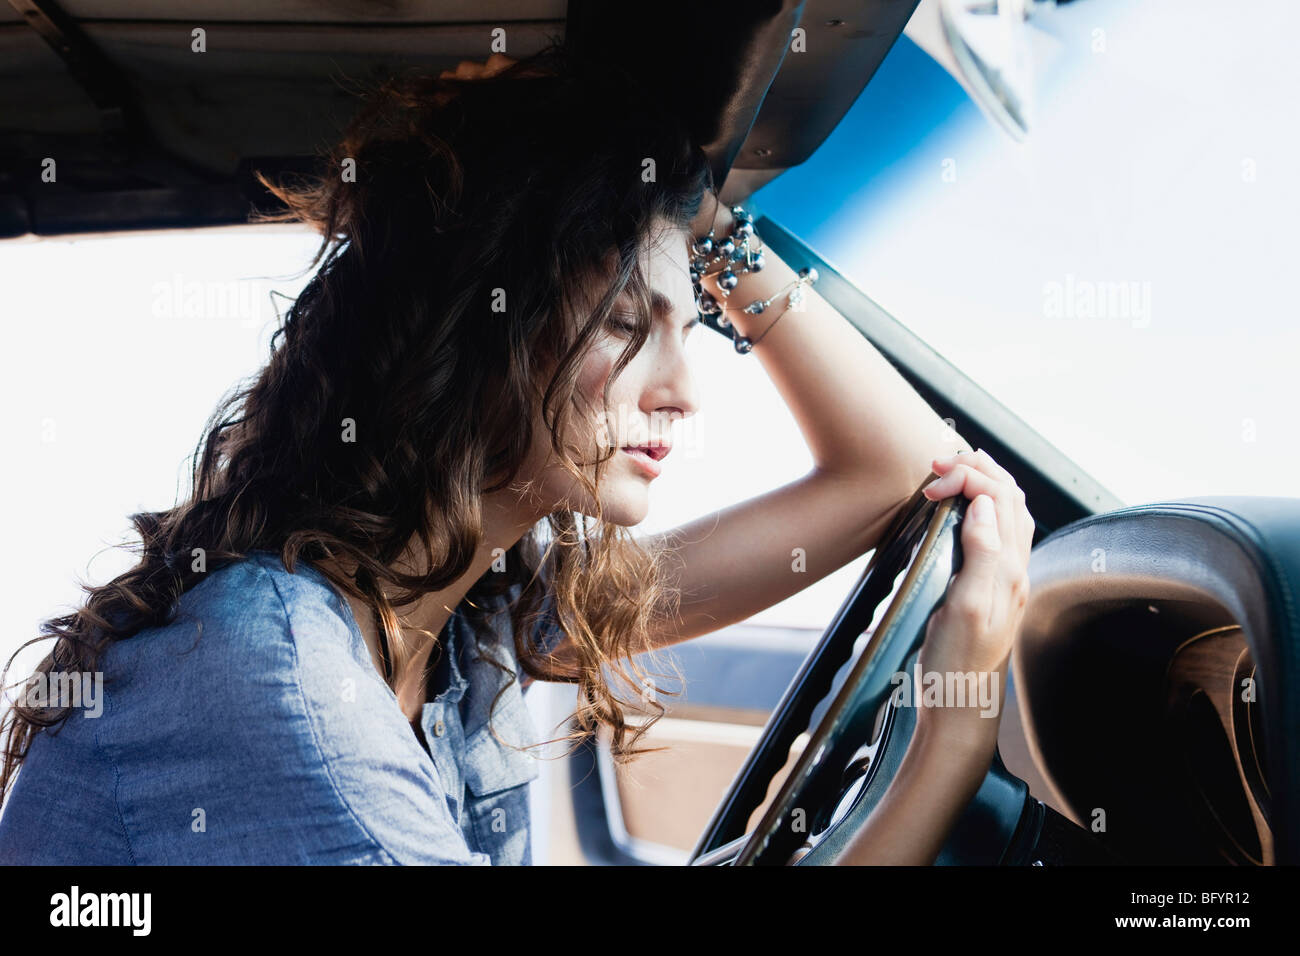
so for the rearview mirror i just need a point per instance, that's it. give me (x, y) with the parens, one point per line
(990, 48)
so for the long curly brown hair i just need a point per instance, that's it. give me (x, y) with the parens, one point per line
(441, 193)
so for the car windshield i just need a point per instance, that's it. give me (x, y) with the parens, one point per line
(1120, 279)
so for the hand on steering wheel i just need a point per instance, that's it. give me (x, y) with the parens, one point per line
(975, 627)
(952, 593)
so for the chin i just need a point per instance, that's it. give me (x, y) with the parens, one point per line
(626, 506)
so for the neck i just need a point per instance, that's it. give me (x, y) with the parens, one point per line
(506, 518)
(505, 521)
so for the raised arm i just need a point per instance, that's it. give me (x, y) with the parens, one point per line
(872, 439)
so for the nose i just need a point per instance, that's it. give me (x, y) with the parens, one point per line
(671, 390)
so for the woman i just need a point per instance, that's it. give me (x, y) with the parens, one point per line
(422, 503)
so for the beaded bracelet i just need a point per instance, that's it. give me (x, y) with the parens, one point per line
(794, 295)
(735, 250)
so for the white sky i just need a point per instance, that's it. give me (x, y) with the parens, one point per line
(1164, 156)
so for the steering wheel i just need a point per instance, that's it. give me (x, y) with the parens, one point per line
(844, 763)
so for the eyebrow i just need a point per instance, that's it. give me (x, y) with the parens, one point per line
(663, 306)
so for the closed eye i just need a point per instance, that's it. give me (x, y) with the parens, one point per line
(623, 322)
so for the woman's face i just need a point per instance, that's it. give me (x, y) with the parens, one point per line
(655, 389)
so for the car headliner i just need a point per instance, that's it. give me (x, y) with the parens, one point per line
(147, 133)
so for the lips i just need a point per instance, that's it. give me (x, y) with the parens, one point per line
(654, 452)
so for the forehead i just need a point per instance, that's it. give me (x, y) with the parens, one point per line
(666, 263)
(664, 259)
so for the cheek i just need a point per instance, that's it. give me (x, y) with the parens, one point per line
(595, 371)
(591, 381)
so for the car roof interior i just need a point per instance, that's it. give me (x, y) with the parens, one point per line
(149, 133)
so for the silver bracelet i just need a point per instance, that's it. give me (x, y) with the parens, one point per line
(734, 251)
(794, 295)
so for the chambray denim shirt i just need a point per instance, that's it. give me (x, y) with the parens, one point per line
(270, 738)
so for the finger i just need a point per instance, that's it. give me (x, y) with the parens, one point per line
(1000, 602)
(970, 598)
(967, 480)
(1013, 597)
(951, 477)
(468, 69)
(978, 459)
(1017, 531)
(983, 461)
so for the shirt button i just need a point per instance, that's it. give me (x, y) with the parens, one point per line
(439, 728)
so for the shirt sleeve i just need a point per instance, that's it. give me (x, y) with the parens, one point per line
(270, 738)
